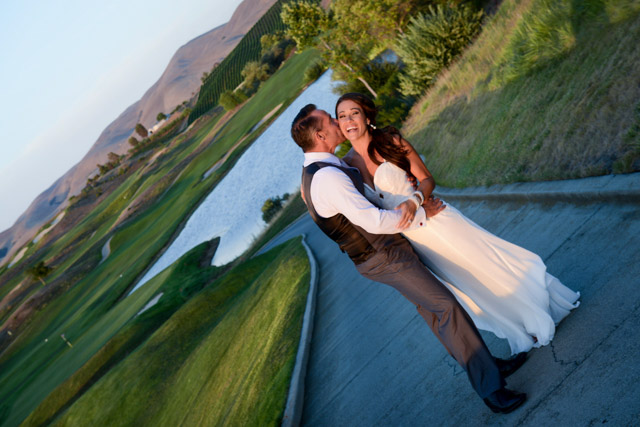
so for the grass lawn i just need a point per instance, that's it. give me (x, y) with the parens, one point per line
(90, 312)
(226, 355)
(549, 90)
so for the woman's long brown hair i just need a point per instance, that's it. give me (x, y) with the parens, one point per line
(383, 140)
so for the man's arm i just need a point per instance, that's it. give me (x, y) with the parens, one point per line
(333, 192)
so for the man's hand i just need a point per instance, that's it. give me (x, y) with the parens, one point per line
(433, 206)
(408, 210)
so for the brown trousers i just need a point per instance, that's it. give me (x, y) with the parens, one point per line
(398, 265)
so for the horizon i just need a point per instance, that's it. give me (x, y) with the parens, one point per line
(75, 68)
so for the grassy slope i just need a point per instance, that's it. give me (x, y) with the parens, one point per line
(28, 362)
(227, 354)
(92, 228)
(176, 284)
(547, 91)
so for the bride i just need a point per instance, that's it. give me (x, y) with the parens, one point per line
(504, 288)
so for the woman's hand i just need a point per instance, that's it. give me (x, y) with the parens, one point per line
(413, 181)
(433, 206)
(408, 209)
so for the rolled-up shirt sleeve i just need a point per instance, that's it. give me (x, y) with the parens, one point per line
(333, 192)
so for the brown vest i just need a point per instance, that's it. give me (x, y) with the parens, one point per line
(352, 239)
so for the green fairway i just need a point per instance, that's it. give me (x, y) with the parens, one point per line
(88, 307)
(226, 355)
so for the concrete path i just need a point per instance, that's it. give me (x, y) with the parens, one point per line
(375, 362)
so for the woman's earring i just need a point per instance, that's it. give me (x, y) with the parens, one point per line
(372, 126)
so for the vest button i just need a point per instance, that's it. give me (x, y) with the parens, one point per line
(381, 196)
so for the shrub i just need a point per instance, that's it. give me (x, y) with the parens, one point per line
(314, 71)
(432, 41)
(539, 38)
(230, 99)
(254, 73)
(141, 130)
(272, 206)
(274, 49)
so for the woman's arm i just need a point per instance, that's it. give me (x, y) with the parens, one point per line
(418, 169)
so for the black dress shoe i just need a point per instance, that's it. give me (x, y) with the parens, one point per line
(504, 400)
(510, 365)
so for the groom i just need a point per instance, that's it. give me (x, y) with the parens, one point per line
(334, 196)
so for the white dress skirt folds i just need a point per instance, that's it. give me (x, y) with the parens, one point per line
(505, 289)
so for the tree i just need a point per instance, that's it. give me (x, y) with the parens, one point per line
(309, 25)
(275, 47)
(314, 71)
(230, 99)
(39, 272)
(114, 158)
(161, 116)
(254, 73)
(352, 34)
(267, 41)
(133, 142)
(432, 41)
(305, 21)
(271, 207)
(141, 130)
(104, 168)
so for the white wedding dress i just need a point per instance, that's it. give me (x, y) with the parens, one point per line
(504, 288)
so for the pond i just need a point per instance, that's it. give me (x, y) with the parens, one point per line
(270, 167)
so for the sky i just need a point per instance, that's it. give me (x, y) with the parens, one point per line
(68, 68)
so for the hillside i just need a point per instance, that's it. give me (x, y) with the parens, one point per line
(549, 90)
(179, 81)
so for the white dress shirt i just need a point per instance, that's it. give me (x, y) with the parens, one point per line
(333, 192)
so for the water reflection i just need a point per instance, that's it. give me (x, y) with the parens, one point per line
(270, 167)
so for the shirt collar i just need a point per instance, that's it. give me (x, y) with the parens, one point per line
(313, 157)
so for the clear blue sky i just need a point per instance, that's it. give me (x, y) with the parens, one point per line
(68, 68)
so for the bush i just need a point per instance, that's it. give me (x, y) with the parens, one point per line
(141, 130)
(230, 99)
(314, 71)
(272, 206)
(274, 49)
(254, 73)
(540, 38)
(432, 41)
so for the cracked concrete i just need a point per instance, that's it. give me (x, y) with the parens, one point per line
(375, 362)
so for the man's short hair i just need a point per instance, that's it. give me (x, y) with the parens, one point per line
(304, 126)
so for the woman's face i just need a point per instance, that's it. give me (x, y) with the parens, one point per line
(352, 120)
